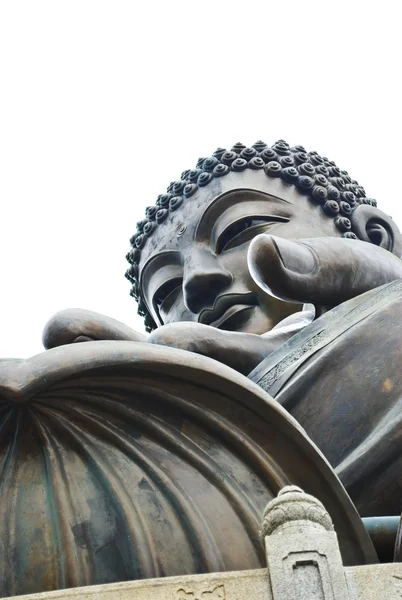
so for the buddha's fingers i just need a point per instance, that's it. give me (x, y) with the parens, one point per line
(241, 351)
(78, 325)
(322, 271)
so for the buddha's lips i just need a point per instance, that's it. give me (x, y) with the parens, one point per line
(220, 312)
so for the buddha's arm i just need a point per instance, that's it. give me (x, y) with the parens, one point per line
(78, 325)
(241, 351)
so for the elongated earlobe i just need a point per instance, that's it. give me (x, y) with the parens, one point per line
(372, 225)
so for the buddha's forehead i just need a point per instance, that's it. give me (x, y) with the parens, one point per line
(178, 230)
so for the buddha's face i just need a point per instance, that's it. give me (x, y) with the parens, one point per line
(194, 266)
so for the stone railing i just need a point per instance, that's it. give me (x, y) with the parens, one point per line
(303, 563)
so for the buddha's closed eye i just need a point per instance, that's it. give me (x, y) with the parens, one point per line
(167, 293)
(244, 230)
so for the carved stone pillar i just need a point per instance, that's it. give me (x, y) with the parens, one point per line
(303, 557)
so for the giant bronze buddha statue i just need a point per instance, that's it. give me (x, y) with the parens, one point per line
(270, 287)
(225, 262)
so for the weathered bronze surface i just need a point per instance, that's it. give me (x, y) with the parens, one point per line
(340, 377)
(124, 460)
(383, 532)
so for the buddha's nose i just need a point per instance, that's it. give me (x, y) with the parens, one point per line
(203, 286)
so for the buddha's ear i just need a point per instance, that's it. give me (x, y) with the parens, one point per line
(372, 225)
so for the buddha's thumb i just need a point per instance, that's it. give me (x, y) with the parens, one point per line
(323, 271)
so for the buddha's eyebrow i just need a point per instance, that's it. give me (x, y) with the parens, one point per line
(158, 261)
(230, 200)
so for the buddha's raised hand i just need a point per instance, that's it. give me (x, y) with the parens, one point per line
(322, 271)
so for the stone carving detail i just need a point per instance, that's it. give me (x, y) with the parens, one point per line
(309, 572)
(307, 575)
(291, 505)
(302, 549)
(216, 593)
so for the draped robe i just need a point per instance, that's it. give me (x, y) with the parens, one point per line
(341, 378)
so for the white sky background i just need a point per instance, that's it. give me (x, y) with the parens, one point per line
(102, 104)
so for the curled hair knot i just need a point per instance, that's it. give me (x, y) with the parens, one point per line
(210, 163)
(281, 147)
(239, 164)
(256, 163)
(218, 153)
(220, 170)
(163, 200)
(350, 235)
(189, 189)
(176, 201)
(331, 208)
(290, 175)
(204, 179)
(273, 169)
(149, 228)
(259, 146)
(319, 194)
(161, 215)
(305, 183)
(343, 224)
(150, 212)
(268, 154)
(193, 175)
(306, 169)
(228, 157)
(237, 148)
(248, 153)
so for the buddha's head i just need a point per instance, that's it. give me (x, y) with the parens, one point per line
(188, 260)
